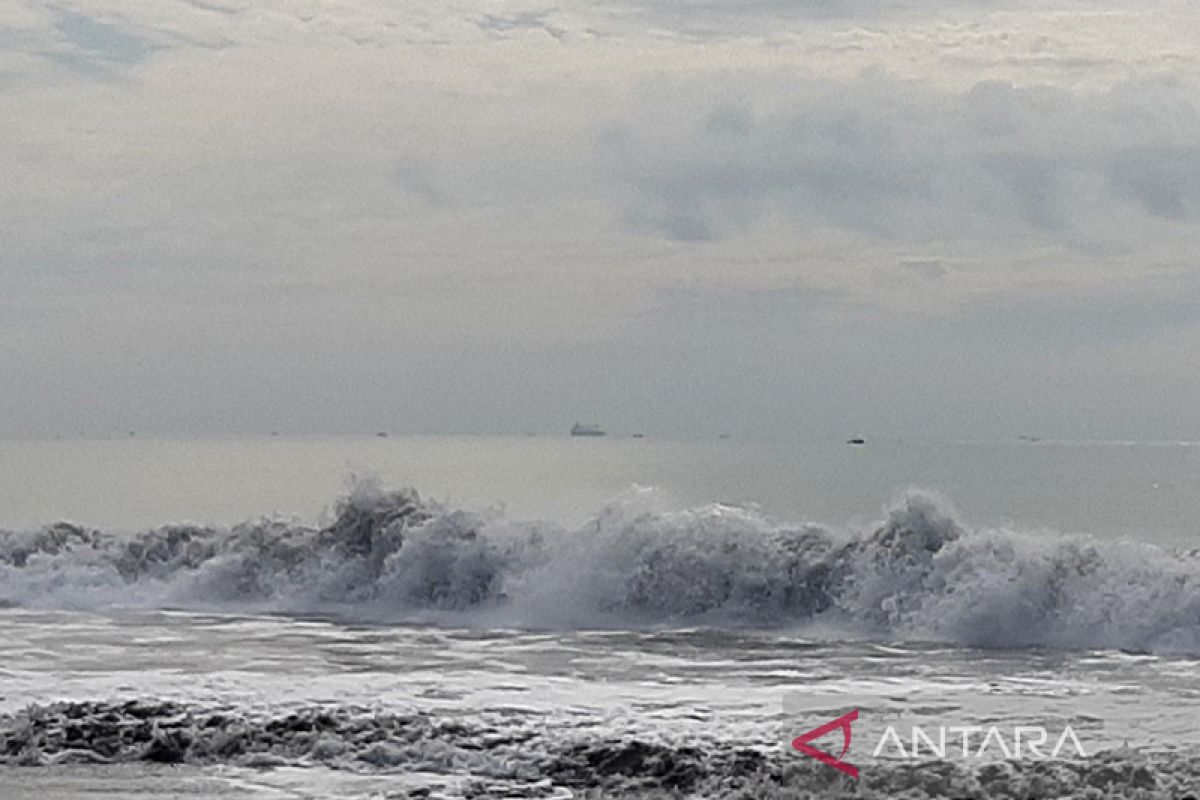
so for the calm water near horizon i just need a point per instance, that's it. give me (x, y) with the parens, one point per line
(1143, 491)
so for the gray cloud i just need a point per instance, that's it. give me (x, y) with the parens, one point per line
(1068, 322)
(528, 20)
(723, 18)
(904, 162)
(94, 47)
(967, 218)
(1163, 179)
(102, 40)
(930, 268)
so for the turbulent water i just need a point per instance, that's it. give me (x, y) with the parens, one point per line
(389, 556)
(521, 761)
(185, 705)
(406, 648)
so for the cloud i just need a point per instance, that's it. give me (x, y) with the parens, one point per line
(905, 162)
(94, 47)
(1098, 320)
(726, 18)
(930, 268)
(782, 211)
(1163, 179)
(101, 40)
(522, 21)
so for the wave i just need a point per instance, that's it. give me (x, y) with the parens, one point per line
(392, 556)
(524, 757)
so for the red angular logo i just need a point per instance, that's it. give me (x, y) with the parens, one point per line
(801, 743)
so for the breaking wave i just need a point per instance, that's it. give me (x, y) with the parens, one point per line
(391, 556)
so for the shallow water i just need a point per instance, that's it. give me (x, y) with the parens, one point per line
(538, 694)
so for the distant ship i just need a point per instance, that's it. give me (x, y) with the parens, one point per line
(856, 440)
(586, 429)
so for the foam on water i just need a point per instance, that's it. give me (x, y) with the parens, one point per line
(390, 556)
(528, 760)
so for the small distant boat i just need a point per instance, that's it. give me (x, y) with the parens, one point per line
(586, 429)
(856, 440)
(639, 436)
(382, 434)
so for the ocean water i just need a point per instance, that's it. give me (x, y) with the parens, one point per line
(554, 617)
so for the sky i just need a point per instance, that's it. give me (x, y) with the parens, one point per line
(773, 218)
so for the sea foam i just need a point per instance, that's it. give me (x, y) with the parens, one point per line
(392, 556)
(518, 757)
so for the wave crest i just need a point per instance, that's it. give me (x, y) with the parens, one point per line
(390, 555)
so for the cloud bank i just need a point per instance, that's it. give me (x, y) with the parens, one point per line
(963, 218)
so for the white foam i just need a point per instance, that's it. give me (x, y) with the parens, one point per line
(391, 556)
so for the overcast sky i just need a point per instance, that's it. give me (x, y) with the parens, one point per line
(782, 218)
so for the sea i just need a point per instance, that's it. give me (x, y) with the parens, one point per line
(609, 617)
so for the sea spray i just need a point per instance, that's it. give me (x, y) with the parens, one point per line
(392, 556)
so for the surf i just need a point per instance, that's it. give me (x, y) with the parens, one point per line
(392, 556)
